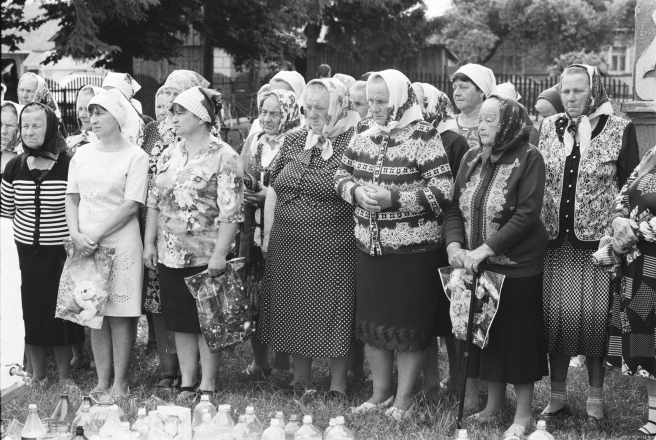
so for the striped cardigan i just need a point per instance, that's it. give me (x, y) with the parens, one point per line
(38, 209)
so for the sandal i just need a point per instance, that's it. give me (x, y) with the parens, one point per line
(516, 431)
(369, 407)
(398, 415)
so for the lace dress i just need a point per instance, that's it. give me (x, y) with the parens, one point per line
(104, 181)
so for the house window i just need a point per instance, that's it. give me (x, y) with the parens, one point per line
(618, 59)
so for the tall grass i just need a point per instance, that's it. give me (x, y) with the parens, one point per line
(626, 401)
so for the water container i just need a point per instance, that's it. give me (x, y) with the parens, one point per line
(224, 422)
(100, 412)
(541, 432)
(308, 431)
(83, 419)
(292, 427)
(145, 429)
(274, 431)
(141, 417)
(331, 425)
(123, 433)
(197, 417)
(206, 430)
(113, 423)
(63, 414)
(281, 418)
(254, 423)
(340, 431)
(33, 427)
(241, 430)
(86, 403)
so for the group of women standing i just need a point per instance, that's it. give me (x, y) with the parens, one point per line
(348, 196)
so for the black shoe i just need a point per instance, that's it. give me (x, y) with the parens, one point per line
(561, 413)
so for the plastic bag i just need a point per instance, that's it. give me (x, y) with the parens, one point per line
(224, 308)
(84, 285)
(13, 430)
(458, 286)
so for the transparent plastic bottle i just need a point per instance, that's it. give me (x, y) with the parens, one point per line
(291, 427)
(254, 423)
(462, 435)
(100, 412)
(308, 431)
(80, 433)
(241, 430)
(145, 429)
(340, 431)
(274, 431)
(281, 418)
(33, 428)
(83, 419)
(541, 432)
(63, 414)
(331, 425)
(197, 417)
(86, 403)
(123, 433)
(113, 423)
(141, 417)
(224, 422)
(62, 433)
(206, 430)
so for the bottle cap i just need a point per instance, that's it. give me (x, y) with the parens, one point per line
(250, 409)
(242, 418)
(293, 418)
(307, 418)
(227, 406)
(204, 398)
(141, 411)
(340, 420)
(79, 431)
(63, 394)
(279, 414)
(332, 422)
(32, 406)
(113, 408)
(542, 424)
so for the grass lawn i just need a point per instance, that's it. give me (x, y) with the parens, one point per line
(626, 401)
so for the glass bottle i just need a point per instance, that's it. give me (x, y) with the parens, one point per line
(254, 423)
(204, 403)
(33, 427)
(206, 430)
(224, 422)
(541, 432)
(79, 432)
(86, 403)
(63, 414)
(291, 427)
(241, 430)
(113, 423)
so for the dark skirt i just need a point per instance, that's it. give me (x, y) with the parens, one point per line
(40, 275)
(443, 325)
(517, 350)
(178, 305)
(396, 300)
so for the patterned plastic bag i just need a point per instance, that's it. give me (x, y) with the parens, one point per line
(84, 286)
(458, 286)
(224, 307)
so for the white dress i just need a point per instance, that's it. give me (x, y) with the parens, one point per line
(104, 181)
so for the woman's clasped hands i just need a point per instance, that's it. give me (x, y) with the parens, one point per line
(468, 260)
(373, 198)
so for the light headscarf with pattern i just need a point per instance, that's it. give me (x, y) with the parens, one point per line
(289, 120)
(13, 145)
(181, 80)
(341, 116)
(438, 110)
(347, 80)
(202, 102)
(42, 94)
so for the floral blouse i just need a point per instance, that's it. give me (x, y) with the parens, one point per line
(194, 195)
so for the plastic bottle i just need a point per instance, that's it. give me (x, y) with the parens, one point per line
(123, 433)
(204, 403)
(541, 432)
(331, 425)
(79, 432)
(63, 414)
(145, 429)
(156, 425)
(281, 418)
(273, 432)
(100, 412)
(33, 427)
(206, 430)
(224, 422)
(241, 430)
(141, 416)
(86, 403)
(308, 431)
(462, 435)
(62, 433)
(291, 427)
(83, 419)
(340, 431)
(113, 423)
(254, 423)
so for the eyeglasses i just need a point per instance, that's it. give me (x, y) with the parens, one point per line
(273, 115)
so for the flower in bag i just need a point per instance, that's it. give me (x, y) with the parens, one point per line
(648, 229)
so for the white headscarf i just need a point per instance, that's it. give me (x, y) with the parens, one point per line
(125, 114)
(126, 84)
(403, 105)
(341, 116)
(508, 90)
(481, 76)
(293, 78)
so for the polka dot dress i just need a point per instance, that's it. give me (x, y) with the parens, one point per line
(307, 302)
(576, 301)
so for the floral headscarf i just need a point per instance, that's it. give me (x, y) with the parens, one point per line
(598, 104)
(53, 142)
(181, 80)
(42, 94)
(438, 110)
(341, 116)
(290, 119)
(127, 117)
(403, 105)
(347, 80)
(265, 88)
(512, 132)
(15, 142)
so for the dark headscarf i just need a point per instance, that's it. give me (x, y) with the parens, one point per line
(54, 142)
(513, 131)
(552, 94)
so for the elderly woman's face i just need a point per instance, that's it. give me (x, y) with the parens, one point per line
(359, 98)
(8, 125)
(575, 90)
(34, 124)
(488, 121)
(466, 95)
(317, 102)
(184, 122)
(419, 91)
(102, 122)
(378, 96)
(270, 115)
(160, 106)
(82, 111)
(26, 90)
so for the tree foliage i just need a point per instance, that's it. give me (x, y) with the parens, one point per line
(13, 21)
(578, 57)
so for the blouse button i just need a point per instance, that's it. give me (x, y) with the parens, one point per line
(571, 171)
(573, 157)
(568, 201)
(568, 230)
(570, 186)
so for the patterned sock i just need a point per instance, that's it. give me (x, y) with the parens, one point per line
(595, 404)
(558, 397)
(650, 426)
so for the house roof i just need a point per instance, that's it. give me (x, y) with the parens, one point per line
(39, 39)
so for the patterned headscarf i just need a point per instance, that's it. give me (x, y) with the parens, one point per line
(438, 110)
(340, 117)
(403, 106)
(15, 142)
(53, 142)
(512, 132)
(181, 80)
(42, 94)
(115, 102)
(202, 102)
(347, 80)
(290, 119)
(265, 88)
(598, 104)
